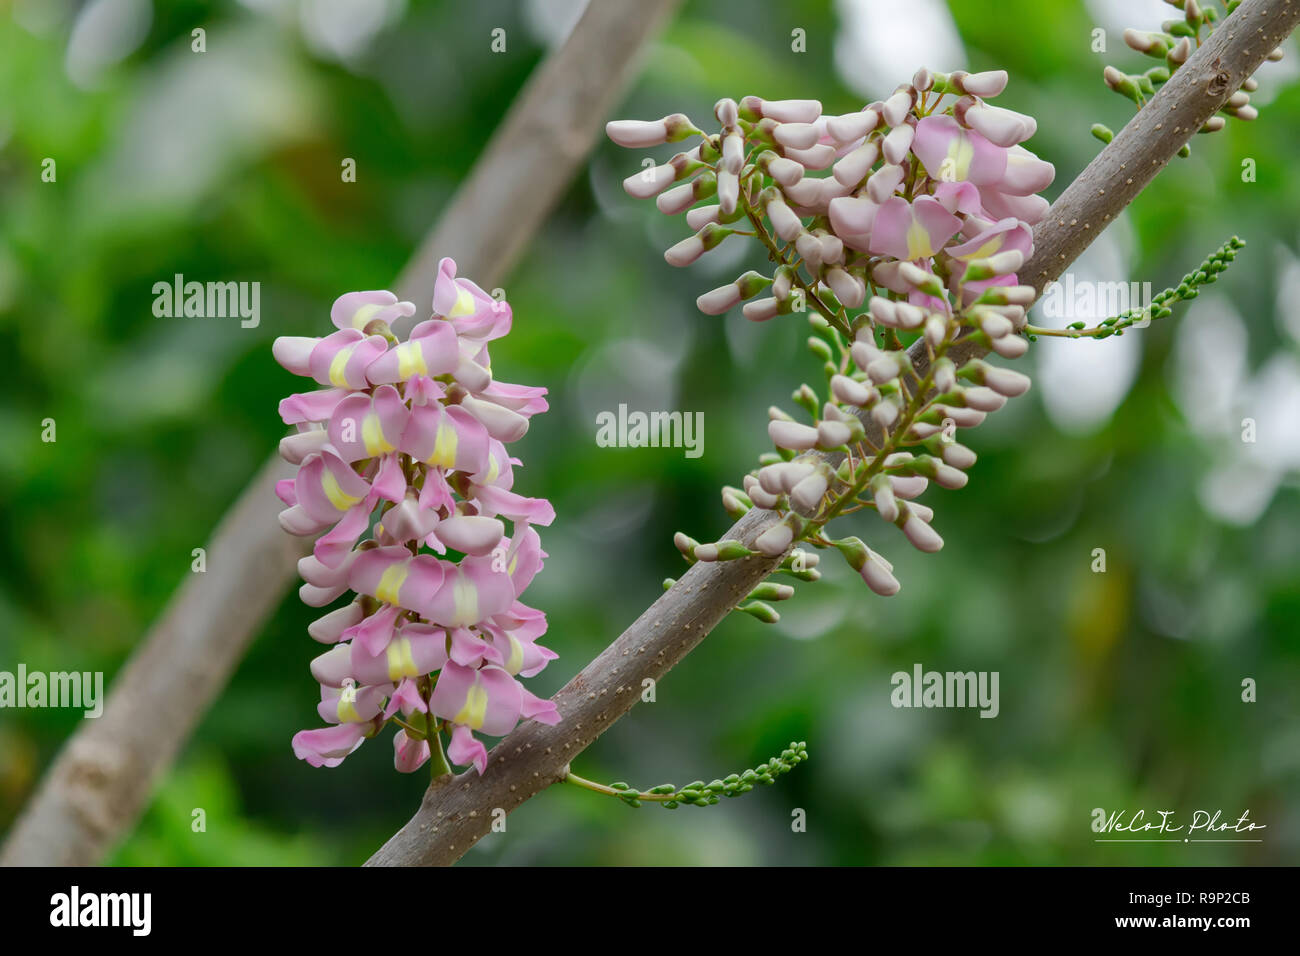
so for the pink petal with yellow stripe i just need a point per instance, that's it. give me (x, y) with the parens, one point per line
(498, 470)
(327, 487)
(430, 350)
(471, 591)
(951, 153)
(915, 230)
(395, 576)
(446, 437)
(524, 558)
(341, 358)
(472, 311)
(487, 699)
(415, 650)
(355, 310)
(350, 704)
(367, 426)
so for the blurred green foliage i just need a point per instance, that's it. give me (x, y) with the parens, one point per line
(1119, 690)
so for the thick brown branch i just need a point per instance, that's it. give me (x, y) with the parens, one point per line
(458, 812)
(104, 774)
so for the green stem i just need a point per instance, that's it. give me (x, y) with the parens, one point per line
(594, 787)
(438, 766)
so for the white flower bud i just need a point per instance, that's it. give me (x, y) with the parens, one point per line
(1006, 381)
(785, 172)
(779, 478)
(852, 392)
(790, 111)
(650, 182)
(897, 143)
(895, 109)
(957, 455)
(792, 435)
(848, 288)
(701, 216)
(796, 135)
(854, 166)
(761, 498)
(807, 495)
(1011, 346)
(922, 536)
(983, 399)
(832, 434)
(852, 126)
(879, 575)
(776, 539)
(760, 310)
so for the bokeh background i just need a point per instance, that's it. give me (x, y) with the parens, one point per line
(1119, 690)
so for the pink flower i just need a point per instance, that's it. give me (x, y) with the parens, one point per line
(428, 633)
(473, 312)
(356, 310)
(915, 230)
(327, 746)
(951, 153)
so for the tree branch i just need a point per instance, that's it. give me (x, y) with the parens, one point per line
(458, 811)
(102, 778)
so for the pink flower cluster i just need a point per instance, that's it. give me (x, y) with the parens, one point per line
(920, 186)
(416, 431)
(914, 233)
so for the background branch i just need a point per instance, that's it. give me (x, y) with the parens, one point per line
(457, 811)
(103, 777)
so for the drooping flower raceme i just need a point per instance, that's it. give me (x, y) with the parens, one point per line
(412, 435)
(915, 233)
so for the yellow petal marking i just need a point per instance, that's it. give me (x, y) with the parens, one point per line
(401, 662)
(339, 366)
(475, 709)
(465, 304)
(516, 659)
(347, 708)
(372, 435)
(444, 445)
(339, 498)
(918, 241)
(961, 152)
(465, 598)
(363, 315)
(410, 360)
(391, 581)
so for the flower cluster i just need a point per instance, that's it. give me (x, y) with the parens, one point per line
(1172, 44)
(916, 233)
(416, 431)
